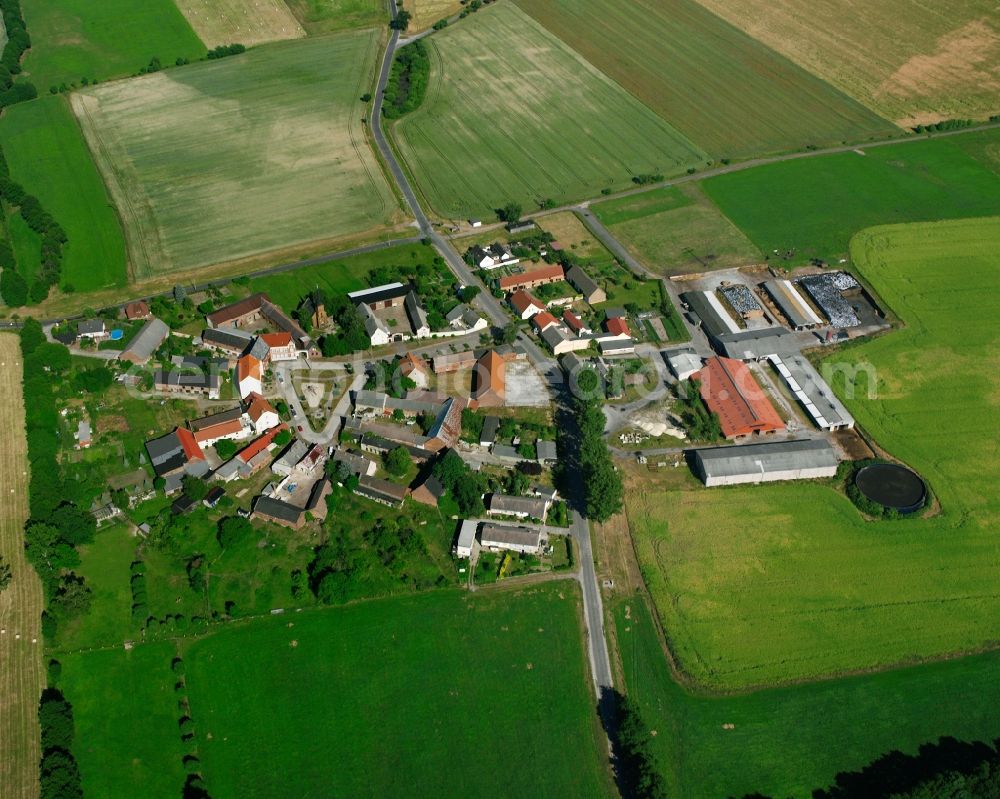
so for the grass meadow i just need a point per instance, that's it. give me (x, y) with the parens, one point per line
(76, 39)
(758, 585)
(47, 155)
(676, 230)
(372, 699)
(785, 742)
(228, 159)
(811, 207)
(324, 16)
(725, 91)
(904, 59)
(528, 121)
(125, 710)
(249, 22)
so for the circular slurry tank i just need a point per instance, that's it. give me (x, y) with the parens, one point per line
(892, 486)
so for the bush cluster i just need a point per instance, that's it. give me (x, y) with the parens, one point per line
(225, 50)
(58, 770)
(10, 61)
(407, 81)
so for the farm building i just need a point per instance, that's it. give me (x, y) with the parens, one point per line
(575, 323)
(376, 329)
(280, 346)
(466, 540)
(616, 345)
(381, 491)
(536, 277)
(230, 340)
(521, 226)
(741, 300)
(521, 507)
(214, 427)
(428, 492)
(240, 313)
(561, 342)
(792, 305)
(812, 392)
(804, 459)
(174, 455)
(462, 317)
(489, 380)
(491, 424)
(827, 291)
(137, 310)
(378, 403)
(545, 452)
(453, 362)
(177, 382)
(261, 413)
(146, 342)
(295, 452)
(544, 320)
(358, 464)
(730, 390)
(249, 376)
(491, 257)
(715, 319)
(274, 510)
(617, 326)
(316, 504)
(525, 305)
(683, 363)
(251, 459)
(386, 296)
(515, 539)
(583, 283)
(755, 345)
(277, 317)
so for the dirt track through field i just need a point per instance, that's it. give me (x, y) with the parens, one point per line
(21, 669)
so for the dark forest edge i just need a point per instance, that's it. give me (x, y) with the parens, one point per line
(408, 79)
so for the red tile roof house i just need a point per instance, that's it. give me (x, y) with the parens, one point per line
(543, 320)
(729, 389)
(617, 327)
(528, 280)
(525, 305)
(575, 323)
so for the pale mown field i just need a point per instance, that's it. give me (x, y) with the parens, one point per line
(908, 60)
(512, 113)
(254, 153)
(246, 22)
(759, 585)
(427, 12)
(21, 670)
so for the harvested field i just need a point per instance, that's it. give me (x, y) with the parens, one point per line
(247, 22)
(47, 155)
(250, 154)
(325, 16)
(677, 230)
(427, 12)
(759, 585)
(527, 121)
(908, 60)
(22, 675)
(725, 91)
(76, 39)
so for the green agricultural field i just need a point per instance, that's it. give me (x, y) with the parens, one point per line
(323, 16)
(528, 120)
(725, 91)
(372, 699)
(47, 155)
(125, 710)
(811, 207)
(725, 566)
(677, 230)
(76, 39)
(786, 742)
(251, 154)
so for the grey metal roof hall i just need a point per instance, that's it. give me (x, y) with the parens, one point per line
(753, 462)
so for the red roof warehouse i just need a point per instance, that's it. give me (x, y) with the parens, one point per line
(730, 390)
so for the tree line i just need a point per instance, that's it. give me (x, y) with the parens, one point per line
(13, 286)
(408, 80)
(602, 483)
(18, 41)
(58, 771)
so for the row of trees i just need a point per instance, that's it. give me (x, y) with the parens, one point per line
(639, 774)
(57, 525)
(407, 81)
(602, 484)
(18, 41)
(13, 287)
(58, 770)
(225, 50)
